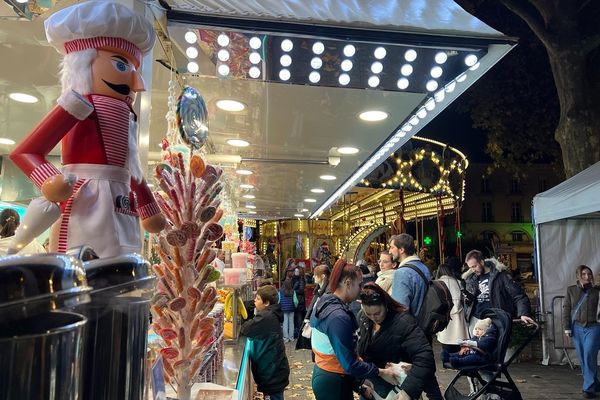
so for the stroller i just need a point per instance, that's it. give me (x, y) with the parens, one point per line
(502, 389)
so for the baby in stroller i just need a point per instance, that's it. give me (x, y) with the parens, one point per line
(475, 351)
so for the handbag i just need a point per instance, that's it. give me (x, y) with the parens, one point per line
(303, 341)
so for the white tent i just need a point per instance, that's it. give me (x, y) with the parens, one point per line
(567, 225)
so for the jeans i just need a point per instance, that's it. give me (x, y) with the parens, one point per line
(274, 396)
(331, 386)
(288, 325)
(587, 344)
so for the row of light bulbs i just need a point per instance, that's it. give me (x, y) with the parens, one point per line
(349, 50)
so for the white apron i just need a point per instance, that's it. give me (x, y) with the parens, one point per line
(99, 213)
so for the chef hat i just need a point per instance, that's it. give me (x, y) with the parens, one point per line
(96, 24)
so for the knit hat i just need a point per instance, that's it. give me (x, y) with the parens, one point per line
(484, 324)
(100, 24)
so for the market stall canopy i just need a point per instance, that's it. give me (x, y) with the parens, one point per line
(304, 72)
(296, 127)
(438, 16)
(575, 197)
(567, 222)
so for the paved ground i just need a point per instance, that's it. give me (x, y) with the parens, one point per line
(535, 381)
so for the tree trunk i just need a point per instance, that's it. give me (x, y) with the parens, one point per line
(578, 130)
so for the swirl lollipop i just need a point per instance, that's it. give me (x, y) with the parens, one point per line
(192, 118)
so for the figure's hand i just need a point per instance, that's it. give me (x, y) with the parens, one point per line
(57, 188)
(463, 351)
(155, 223)
(527, 320)
(388, 375)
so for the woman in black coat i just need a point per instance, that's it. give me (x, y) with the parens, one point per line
(299, 283)
(389, 334)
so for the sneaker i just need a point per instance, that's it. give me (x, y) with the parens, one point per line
(589, 395)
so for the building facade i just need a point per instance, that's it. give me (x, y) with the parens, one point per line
(496, 213)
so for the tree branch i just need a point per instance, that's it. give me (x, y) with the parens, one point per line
(533, 21)
(590, 43)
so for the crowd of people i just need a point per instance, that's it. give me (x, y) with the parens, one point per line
(383, 351)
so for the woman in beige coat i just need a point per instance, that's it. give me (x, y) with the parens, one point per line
(457, 329)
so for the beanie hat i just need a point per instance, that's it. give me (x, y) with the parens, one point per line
(484, 324)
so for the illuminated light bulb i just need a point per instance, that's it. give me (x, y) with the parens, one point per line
(436, 72)
(439, 96)
(474, 67)
(470, 60)
(223, 40)
(430, 105)
(349, 50)
(193, 67)
(284, 74)
(380, 53)
(314, 77)
(344, 79)
(450, 87)
(441, 57)
(431, 85)
(255, 43)
(318, 48)
(254, 57)
(373, 81)
(376, 67)
(316, 63)
(191, 52)
(287, 45)
(346, 65)
(223, 69)
(223, 55)
(410, 55)
(254, 72)
(402, 83)
(285, 60)
(191, 37)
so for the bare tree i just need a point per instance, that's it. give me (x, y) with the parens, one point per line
(570, 32)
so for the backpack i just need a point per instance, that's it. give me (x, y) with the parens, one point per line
(434, 315)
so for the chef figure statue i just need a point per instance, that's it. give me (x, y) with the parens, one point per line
(97, 197)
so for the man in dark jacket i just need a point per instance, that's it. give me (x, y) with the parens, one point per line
(270, 366)
(489, 285)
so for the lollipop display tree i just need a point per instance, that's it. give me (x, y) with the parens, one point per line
(189, 199)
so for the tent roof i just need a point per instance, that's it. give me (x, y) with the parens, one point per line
(578, 195)
(424, 16)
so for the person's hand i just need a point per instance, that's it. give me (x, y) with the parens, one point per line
(367, 389)
(388, 375)
(527, 320)
(568, 333)
(463, 350)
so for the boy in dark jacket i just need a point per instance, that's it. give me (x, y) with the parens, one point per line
(478, 350)
(270, 366)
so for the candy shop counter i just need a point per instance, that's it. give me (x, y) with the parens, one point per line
(236, 372)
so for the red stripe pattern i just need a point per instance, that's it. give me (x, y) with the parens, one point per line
(103, 41)
(64, 225)
(148, 210)
(43, 172)
(113, 117)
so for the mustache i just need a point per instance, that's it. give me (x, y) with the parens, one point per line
(121, 89)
